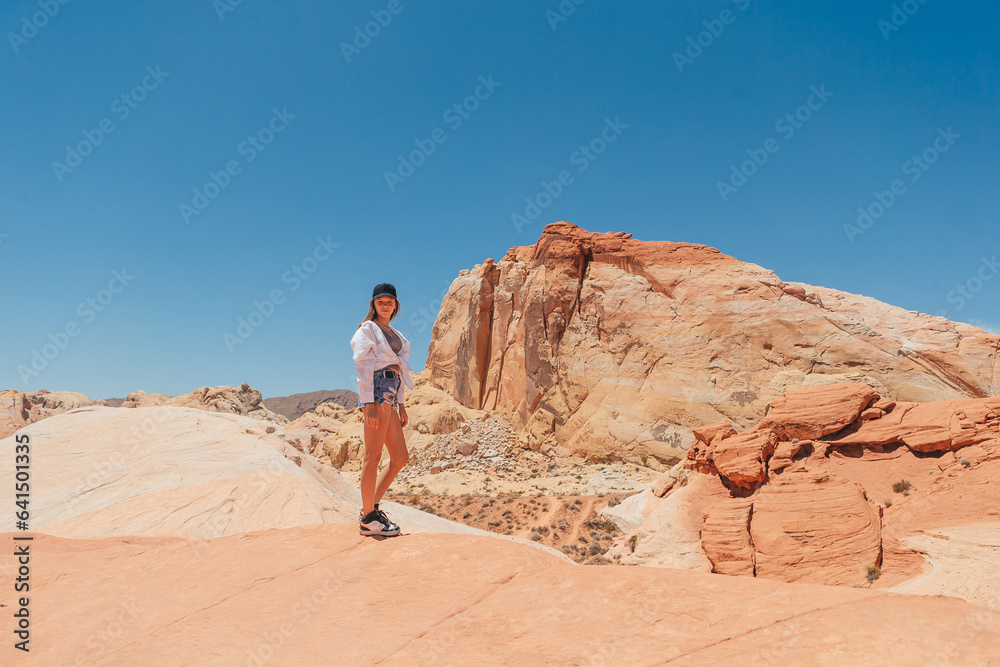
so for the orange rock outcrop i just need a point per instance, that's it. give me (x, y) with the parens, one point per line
(838, 485)
(607, 347)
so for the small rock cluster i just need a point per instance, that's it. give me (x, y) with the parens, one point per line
(488, 445)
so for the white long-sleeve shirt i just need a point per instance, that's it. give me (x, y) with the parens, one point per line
(371, 352)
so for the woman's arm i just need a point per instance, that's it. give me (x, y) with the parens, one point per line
(364, 363)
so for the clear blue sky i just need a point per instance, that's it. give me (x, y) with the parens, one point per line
(215, 77)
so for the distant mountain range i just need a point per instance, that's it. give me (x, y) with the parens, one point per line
(296, 405)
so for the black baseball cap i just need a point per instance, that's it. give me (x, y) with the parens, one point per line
(384, 289)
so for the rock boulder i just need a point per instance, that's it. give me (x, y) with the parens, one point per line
(606, 347)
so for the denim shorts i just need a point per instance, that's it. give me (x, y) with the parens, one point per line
(385, 389)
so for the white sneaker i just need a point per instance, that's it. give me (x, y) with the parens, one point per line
(375, 524)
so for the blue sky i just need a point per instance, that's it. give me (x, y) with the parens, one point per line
(205, 150)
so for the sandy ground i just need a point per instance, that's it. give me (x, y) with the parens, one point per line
(553, 501)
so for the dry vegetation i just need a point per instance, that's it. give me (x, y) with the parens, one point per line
(571, 524)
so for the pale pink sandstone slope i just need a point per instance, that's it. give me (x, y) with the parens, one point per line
(607, 347)
(170, 471)
(321, 594)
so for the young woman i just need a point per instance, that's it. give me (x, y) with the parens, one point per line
(381, 355)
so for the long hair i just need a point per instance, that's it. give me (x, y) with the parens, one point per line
(373, 314)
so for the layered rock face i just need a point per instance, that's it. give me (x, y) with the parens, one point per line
(607, 347)
(836, 485)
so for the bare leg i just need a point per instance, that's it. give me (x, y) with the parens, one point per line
(374, 438)
(398, 456)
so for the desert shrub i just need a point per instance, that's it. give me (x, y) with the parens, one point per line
(633, 542)
(602, 525)
(595, 548)
(614, 501)
(874, 572)
(536, 537)
(901, 486)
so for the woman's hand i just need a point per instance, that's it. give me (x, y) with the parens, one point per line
(371, 416)
(403, 419)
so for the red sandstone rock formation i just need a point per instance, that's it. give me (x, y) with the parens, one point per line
(742, 459)
(815, 527)
(607, 347)
(817, 411)
(726, 537)
(864, 501)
